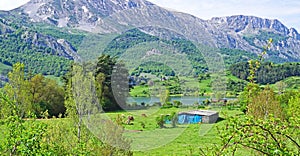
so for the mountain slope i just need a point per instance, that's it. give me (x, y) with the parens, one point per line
(246, 33)
(80, 13)
(45, 28)
(41, 53)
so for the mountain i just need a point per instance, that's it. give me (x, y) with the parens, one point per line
(82, 14)
(51, 24)
(255, 31)
(41, 53)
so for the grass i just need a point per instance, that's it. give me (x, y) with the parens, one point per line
(182, 140)
(140, 91)
(185, 83)
(151, 140)
(292, 83)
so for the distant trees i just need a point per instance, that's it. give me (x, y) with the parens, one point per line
(34, 95)
(267, 73)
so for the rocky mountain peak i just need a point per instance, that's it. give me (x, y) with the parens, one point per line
(240, 23)
(73, 13)
(248, 33)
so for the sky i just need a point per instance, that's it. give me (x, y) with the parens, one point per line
(287, 11)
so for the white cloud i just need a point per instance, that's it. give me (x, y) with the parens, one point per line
(11, 4)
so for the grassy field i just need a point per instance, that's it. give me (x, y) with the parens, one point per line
(185, 83)
(182, 140)
(151, 140)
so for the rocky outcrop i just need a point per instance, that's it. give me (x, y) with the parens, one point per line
(247, 33)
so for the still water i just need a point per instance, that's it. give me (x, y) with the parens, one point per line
(186, 100)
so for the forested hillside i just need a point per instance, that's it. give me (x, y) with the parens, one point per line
(268, 73)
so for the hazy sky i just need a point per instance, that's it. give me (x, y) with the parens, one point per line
(287, 11)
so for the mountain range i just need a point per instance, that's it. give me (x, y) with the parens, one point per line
(56, 28)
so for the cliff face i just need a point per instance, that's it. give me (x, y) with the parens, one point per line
(247, 33)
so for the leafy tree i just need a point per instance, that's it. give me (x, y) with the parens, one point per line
(83, 108)
(112, 83)
(270, 136)
(164, 96)
(250, 91)
(293, 108)
(281, 86)
(264, 104)
(18, 89)
(263, 129)
(53, 98)
(36, 95)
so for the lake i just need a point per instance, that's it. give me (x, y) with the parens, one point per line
(186, 100)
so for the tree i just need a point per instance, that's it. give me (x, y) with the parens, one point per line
(281, 86)
(250, 91)
(264, 104)
(270, 136)
(80, 97)
(18, 90)
(263, 129)
(120, 84)
(293, 108)
(46, 95)
(52, 98)
(112, 83)
(164, 96)
(84, 110)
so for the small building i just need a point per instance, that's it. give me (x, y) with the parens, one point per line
(197, 116)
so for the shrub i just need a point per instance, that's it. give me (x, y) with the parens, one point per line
(167, 105)
(177, 104)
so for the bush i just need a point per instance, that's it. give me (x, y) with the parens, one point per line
(167, 105)
(201, 107)
(173, 118)
(160, 121)
(177, 104)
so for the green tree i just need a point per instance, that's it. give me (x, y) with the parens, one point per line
(264, 104)
(271, 136)
(112, 83)
(263, 129)
(164, 96)
(18, 90)
(281, 86)
(84, 110)
(293, 108)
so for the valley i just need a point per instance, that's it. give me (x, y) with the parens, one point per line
(128, 77)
